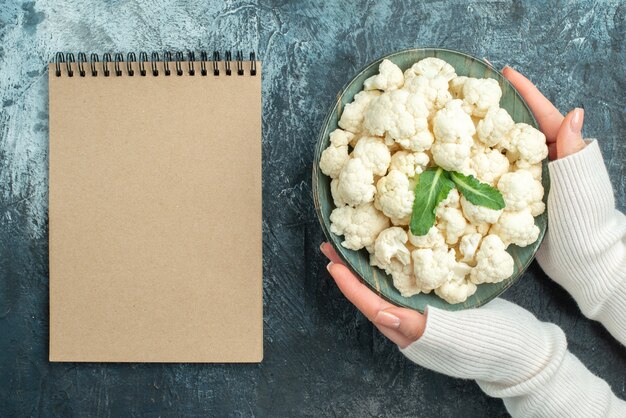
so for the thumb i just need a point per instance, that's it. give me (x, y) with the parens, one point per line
(569, 140)
(409, 323)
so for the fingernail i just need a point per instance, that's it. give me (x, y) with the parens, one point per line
(576, 123)
(387, 320)
(329, 265)
(505, 67)
(322, 246)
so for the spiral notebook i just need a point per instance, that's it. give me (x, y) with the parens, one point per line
(155, 208)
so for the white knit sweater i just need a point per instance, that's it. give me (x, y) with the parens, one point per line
(510, 353)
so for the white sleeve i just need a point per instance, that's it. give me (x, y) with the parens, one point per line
(585, 246)
(514, 356)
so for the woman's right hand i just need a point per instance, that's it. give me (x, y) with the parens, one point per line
(563, 134)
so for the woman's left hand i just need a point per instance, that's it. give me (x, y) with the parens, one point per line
(402, 326)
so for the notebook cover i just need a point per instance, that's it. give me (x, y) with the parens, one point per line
(155, 218)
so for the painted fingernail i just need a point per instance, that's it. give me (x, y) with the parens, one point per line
(322, 246)
(329, 265)
(387, 320)
(505, 67)
(576, 123)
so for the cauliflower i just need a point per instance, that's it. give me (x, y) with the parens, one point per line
(402, 276)
(496, 124)
(352, 116)
(356, 183)
(453, 130)
(456, 86)
(374, 154)
(336, 155)
(394, 197)
(433, 239)
(432, 267)
(468, 246)
(390, 245)
(457, 288)
(479, 214)
(452, 225)
(493, 263)
(451, 201)
(526, 143)
(409, 163)
(389, 77)
(520, 190)
(480, 95)
(535, 169)
(516, 228)
(359, 226)
(401, 116)
(433, 90)
(431, 67)
(489, 165)
(337, 198)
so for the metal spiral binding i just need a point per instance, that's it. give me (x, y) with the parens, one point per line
(157, 65)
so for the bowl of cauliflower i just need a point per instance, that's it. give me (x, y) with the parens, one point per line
(430, 179)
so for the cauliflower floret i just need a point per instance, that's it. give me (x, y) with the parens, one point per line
(520, 190)
(433, 239)
(479, 214)
(352, 115)
(390, 245)
(468, 246)
(452, 225)
(489, 166)
(457, 289)
(432, 267)
(431, 67)
(433, 90)
(516, 228)
(401, 116)
(535, 169)
(337, 198)
(409, 163)
(359, 226)
(480, 95)
(451, 201)
(336, 155)
(494, 126)
(456, 86)
(493, 263)
(402, 276)
(389, 77)
(374, 154)
(526, 143)
(356, 183)
(394, 197)
(453, 129)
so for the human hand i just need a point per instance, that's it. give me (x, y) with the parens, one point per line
(402, 326)
(563, 134)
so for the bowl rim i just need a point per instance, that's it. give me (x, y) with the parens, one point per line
(336, 106)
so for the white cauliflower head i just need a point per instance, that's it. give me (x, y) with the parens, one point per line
(453, 130)
(493, 263)
(431, 67)
(494, 127)
(401, 116)
(520, 190)
(432, 267)
(479, 214)
(457, 288)
(452, 225)
(389, 77)
(359, 226)
(526, 143)
(352, 116)
(402, 276)
(516, 228)
(374, 154)
(356, 183)
(433, 90)
(489, 166)
(336, 155)
(337, 198)
(535, 169)
(409, 163)
(395, 197)
(468, 246)
(433, 239)
(390, 244)
(456, 86)
(480, 95)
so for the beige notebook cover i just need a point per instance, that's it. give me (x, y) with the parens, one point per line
(155, 215)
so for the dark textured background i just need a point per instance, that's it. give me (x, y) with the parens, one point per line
(321, 357)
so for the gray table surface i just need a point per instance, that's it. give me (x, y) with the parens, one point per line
(322, 358)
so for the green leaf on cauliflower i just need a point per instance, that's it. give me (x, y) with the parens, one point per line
(433, 186)
(477, 193)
